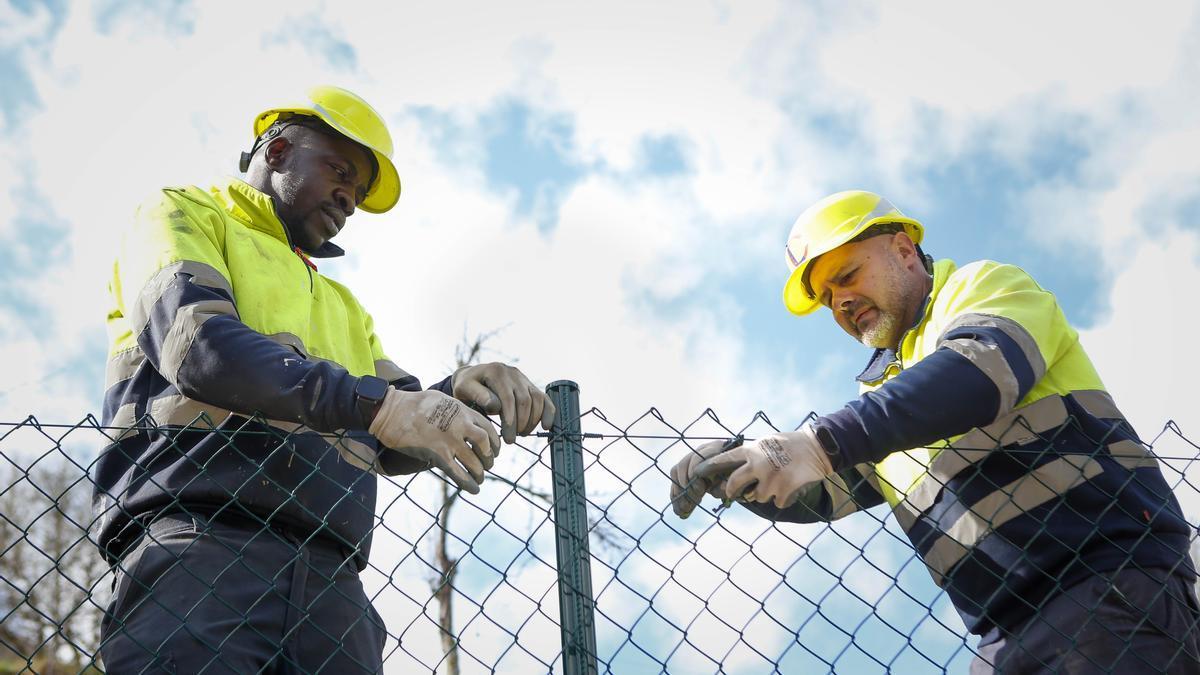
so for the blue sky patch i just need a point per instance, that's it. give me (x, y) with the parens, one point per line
(1187, 214)
(662, 156)
(975, 213)
(312, 33)
(57, 9)
(38, 244)
(1171, 208)
(532, 153)
(19, 95)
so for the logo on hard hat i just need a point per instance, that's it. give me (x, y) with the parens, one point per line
(792, 258)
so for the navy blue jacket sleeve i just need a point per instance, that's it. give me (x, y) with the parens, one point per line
(941, 396)
(234, 367)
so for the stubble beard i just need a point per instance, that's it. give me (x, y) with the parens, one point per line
(885, 332)
(288, 193)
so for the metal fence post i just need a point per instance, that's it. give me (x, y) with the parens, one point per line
(576, 606)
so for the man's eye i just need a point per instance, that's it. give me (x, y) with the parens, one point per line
(341, 173)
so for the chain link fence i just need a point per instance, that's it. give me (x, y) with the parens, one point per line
(539, 573)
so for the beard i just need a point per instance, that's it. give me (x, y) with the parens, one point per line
(303, 223)
(884, 333)
(898, 294)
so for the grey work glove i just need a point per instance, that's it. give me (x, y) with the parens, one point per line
(497, 388)
(772, 469)
(432, 427)
(687, 488)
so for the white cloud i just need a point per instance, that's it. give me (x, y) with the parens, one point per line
(18, 28)
(573, 295)
(970, 60)
(1141, 350)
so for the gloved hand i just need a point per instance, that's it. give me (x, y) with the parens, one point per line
(772, 469)
(497, 388)
(432, 427)
(686, 487)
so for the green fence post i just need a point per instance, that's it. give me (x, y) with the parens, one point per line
(576, 608)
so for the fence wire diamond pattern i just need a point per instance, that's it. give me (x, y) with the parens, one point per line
(476, 583)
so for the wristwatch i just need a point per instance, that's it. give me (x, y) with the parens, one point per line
(368, 396)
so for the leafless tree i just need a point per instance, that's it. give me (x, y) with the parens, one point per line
(51, 573)
(17, 625)
(469, 352)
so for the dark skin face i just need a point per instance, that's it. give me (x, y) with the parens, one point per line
(874, 287)
(316, 181)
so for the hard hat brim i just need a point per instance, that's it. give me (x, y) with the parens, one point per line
(386, 191)
(795, 296)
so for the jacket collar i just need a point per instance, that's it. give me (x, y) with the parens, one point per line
(882, 358)
(256, 210)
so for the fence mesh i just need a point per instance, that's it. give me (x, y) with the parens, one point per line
(471, 583)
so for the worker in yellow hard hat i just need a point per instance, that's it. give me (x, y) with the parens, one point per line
(983, 425)
(258, 405)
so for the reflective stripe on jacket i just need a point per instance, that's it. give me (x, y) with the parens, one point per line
(1002, 456)
(216, 320)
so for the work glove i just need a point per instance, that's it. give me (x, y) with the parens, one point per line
(497, 388)
(434, 428)
(687, 488)
(772, 469)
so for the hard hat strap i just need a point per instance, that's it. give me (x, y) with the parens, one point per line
(926, 259)
(272, 132)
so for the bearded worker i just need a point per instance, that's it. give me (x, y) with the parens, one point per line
(257, 405)
(985, 428)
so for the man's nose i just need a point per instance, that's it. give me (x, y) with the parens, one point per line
(843, 301)
(344, 201)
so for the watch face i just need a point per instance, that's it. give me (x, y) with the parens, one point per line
(371, 388)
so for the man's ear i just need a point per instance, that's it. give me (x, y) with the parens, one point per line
(277, 152)
(903, 245)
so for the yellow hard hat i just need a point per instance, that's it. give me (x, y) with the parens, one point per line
(355, 119)
(828, 224)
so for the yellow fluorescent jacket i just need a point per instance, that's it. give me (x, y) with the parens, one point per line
(213, 313)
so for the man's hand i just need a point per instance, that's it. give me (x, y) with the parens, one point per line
(772, 469)
(437, 429)
(686, 487)
(497, 388)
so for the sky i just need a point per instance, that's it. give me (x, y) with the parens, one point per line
(608, 186)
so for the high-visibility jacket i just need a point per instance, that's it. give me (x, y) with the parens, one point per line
(232, 366)
(992, 439)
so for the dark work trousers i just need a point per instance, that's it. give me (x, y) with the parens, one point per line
(214, 596)
(1130, 622)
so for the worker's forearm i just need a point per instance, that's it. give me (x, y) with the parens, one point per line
(944, 395)
(192, 335)
(234, 367)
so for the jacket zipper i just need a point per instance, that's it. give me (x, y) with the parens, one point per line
(308, 264)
